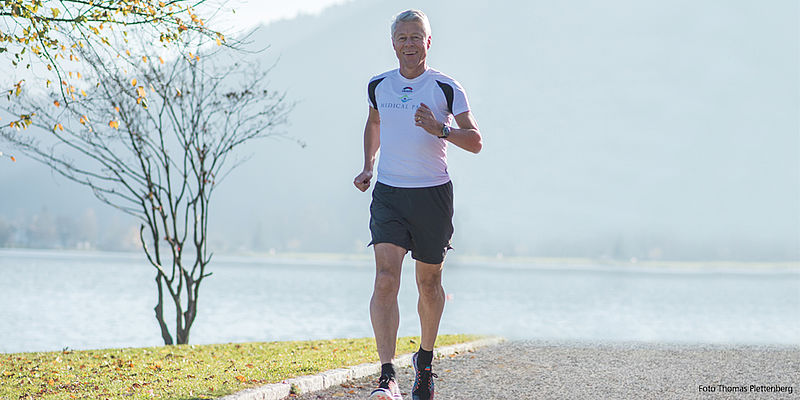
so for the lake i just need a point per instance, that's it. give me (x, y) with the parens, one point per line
(50, 300)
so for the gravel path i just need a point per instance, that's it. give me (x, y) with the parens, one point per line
(550, 370)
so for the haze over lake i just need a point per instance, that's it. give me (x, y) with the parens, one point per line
(82, 300)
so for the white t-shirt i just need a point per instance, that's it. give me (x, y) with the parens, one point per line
(409, 156)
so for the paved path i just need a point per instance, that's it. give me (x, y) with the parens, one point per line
(548, 370)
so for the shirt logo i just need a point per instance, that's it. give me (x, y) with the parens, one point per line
(406, 90)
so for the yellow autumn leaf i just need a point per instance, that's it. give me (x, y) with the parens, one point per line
(13, 159)
(161, 60)
(114, 124)
(133, 82)
(128, 52)
(140, 91)
(219, 43)
(57, 103)
(55, 12)
(60, 127)
(116, 109)
(144, 58)
(83, 92)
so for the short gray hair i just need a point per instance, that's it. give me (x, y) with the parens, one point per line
(412, 15)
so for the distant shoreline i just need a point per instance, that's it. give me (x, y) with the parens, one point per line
(365, 259)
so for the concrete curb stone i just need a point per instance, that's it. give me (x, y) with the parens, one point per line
(324, 380)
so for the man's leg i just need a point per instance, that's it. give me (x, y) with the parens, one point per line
(383, 309)
(431, 301)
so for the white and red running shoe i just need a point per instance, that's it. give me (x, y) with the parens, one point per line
(387, 390)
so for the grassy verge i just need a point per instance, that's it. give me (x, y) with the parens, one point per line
(181, 372)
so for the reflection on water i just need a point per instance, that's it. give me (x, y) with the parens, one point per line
(52, 300)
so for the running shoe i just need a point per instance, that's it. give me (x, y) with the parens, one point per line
(387, 390)
(423, 382)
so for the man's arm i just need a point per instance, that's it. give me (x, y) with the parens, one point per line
(467, 136)
(372, 141)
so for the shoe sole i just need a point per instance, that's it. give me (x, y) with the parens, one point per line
(382, 396)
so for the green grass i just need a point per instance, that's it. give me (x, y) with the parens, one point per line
(182, 372)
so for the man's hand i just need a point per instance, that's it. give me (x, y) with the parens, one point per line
(362, 180)
(425, 119)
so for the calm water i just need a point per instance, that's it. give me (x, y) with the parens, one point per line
(51, 300)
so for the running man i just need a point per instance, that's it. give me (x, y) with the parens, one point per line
(410, 114)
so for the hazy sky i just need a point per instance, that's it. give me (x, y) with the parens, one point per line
(249, 13)
(647, 129)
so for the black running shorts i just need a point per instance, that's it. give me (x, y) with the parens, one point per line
(417, 219)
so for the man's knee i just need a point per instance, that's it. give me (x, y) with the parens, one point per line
(429, 279)
(387, 284)
(389, 263)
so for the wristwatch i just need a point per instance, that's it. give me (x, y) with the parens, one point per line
(445, 131)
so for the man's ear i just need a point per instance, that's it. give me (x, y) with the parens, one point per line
(429, 43)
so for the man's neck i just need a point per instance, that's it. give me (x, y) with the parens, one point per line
(412, 72)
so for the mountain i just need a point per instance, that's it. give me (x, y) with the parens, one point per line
(618, 129)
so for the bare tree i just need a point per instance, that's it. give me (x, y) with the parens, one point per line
(154, 140)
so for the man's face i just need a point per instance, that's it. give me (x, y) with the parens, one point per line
(410, 43)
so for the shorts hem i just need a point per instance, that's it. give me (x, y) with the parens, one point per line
(374, 242)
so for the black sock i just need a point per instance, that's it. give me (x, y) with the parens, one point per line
(424, 358)
(387, 370)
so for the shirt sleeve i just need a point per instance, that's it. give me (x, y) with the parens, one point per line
(372, 98)
(460, 103)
